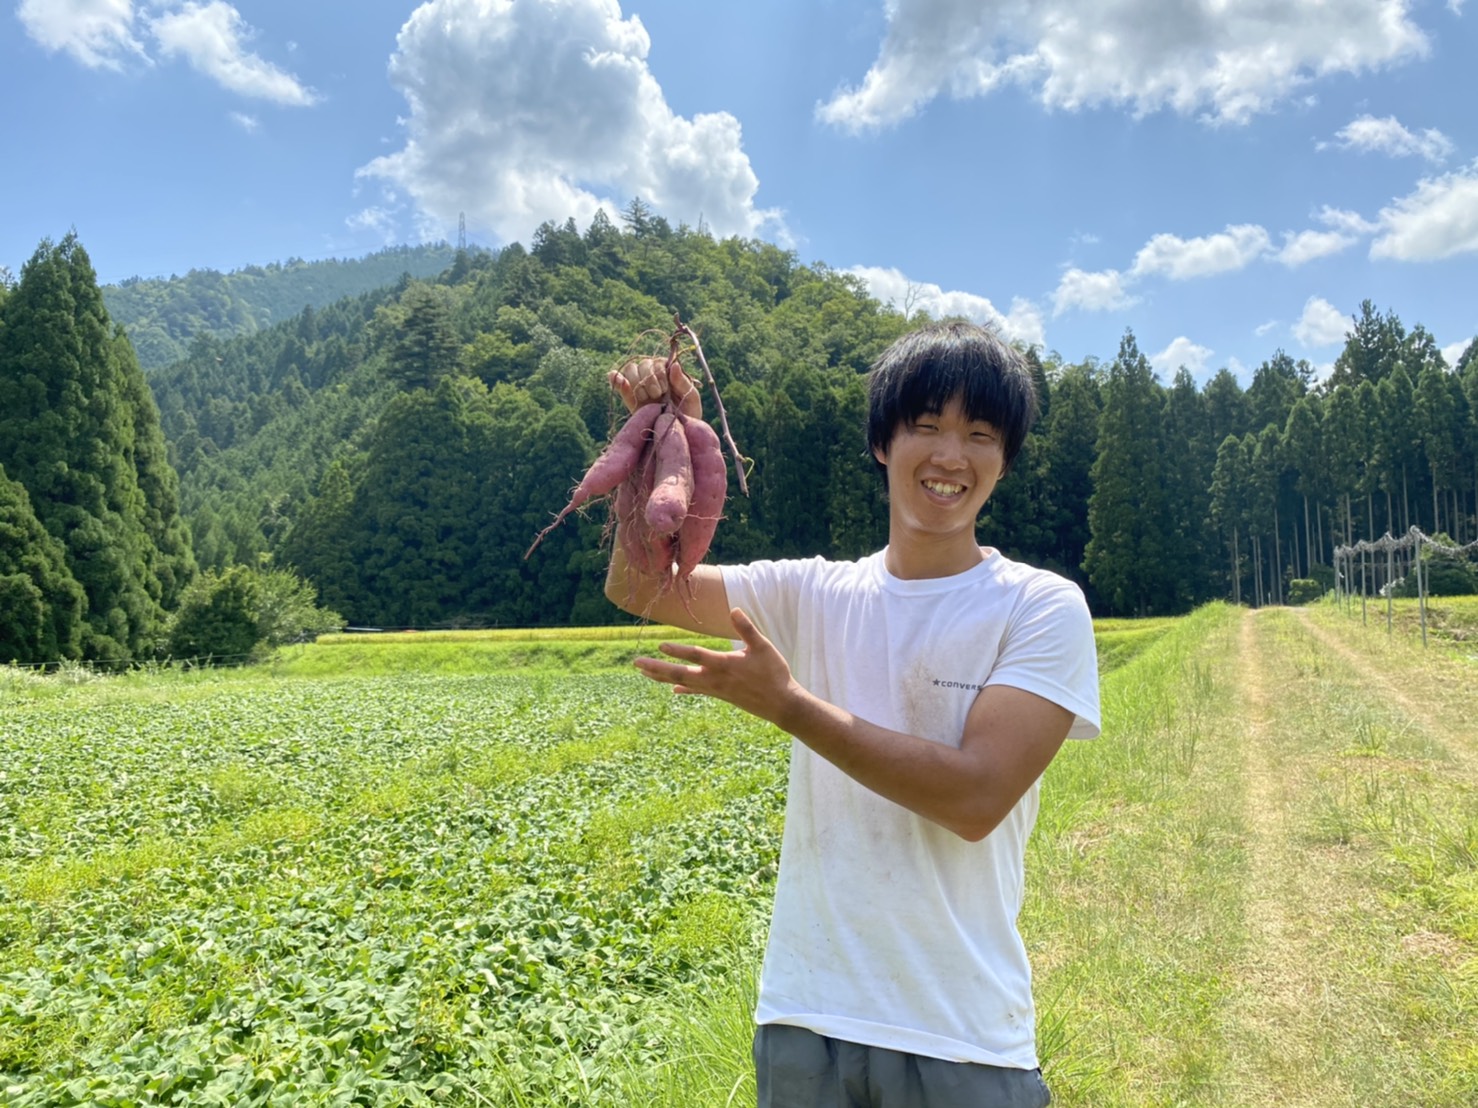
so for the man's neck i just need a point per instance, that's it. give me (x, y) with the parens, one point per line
(921, 560)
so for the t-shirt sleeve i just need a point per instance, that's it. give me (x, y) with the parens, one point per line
(1049, 651)
(770, 592)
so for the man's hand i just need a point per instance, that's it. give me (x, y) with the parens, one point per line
(755, 677)
(653, 380)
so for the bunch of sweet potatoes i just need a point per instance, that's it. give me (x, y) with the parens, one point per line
(669, 478)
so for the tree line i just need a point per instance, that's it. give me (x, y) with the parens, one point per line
(399, 448)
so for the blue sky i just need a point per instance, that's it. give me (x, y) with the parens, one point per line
(1227, 177)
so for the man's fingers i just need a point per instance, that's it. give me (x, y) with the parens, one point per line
(746, 628)
(669, 672)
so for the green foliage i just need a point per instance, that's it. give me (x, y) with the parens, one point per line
(1130, 558)
(291, 441)
(1444, 575)
(79, 431)
(41, 604)
(228, 617)
(373, 891)
(1304, 590)
(216, 621)
(287, 609)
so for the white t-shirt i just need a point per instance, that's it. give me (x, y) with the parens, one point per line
(889, 930)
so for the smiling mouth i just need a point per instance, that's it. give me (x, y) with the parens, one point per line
(944, 488)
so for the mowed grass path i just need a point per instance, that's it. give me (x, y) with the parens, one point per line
(1261, 886)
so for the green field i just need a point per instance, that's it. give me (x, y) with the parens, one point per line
(500, 869)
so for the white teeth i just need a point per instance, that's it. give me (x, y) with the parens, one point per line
(944, 489)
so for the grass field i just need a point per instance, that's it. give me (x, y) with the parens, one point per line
(499, 869)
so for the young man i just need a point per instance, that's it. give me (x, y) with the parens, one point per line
(927, 687)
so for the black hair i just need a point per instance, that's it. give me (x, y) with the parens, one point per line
(926, 369)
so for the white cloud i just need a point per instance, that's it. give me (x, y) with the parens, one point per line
(1438, 220)
(379, 221)
(521, 113)
(1023, 323)
(1103, 291)
(1226, 62)
(248, 123)
(98, 33)
(1321, 323)
(1388, 136)
(210, 37)
(1263, 328)
(1181, 352)
(1308, 245)
(1452, 352)
(1180, 259)
(1350, 222)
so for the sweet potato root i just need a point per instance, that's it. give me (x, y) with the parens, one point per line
(613, 466)
(672, 480)
(710, 483)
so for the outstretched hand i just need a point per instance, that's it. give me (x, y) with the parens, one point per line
(655, 380)
(754, 677)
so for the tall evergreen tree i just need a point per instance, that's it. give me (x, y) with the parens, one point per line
(1437, 424)
(1130, 559)
(1071, 441)
(41, 604)
(78, 431)
(1186, 427)
(1276, 386)
(424, 348)
(1303, 450)
(1373, 347)
(1230, 484)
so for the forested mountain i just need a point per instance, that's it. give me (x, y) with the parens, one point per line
(163, 315)
(401, 447)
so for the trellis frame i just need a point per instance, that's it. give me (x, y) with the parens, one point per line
(1408, 546)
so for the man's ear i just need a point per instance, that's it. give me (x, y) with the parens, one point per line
(880, 455)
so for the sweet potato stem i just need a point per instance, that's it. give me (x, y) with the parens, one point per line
(739, 459)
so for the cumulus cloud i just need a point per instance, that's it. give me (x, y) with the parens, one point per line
(1305, 246)
(1350, 222)
(1023, 323)
(1223, 62)
(1453, 351)
(211, 37)
(1263, 328)
(1181, 353)
(248, 123)
(1437, 220)
(1368, 134)
(1180, 259)
(97, 33)
(1321, 323)
(1102, 291)
(522, 112)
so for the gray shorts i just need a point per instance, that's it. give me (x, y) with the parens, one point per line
(796, 1068)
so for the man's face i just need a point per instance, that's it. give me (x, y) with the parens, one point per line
(942, 469)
